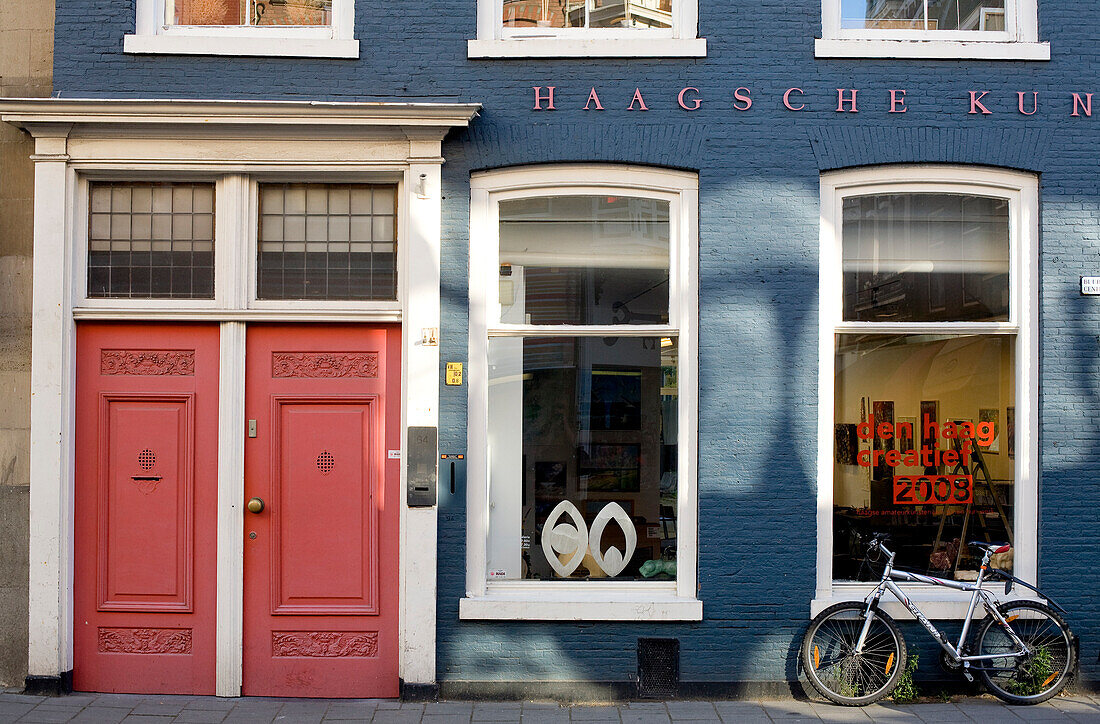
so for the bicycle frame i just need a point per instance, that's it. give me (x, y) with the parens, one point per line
(989, 603)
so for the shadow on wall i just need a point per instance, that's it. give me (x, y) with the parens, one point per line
(757, 459)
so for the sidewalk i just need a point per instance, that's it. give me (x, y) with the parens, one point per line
(115, 708)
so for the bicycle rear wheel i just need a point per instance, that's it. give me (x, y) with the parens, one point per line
(843, 676)
(1029, 679)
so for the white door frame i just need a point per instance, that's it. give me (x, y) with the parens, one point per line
(227, 140)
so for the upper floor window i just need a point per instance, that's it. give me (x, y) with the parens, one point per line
(624, 28)
(1003, 29)
(297, 28)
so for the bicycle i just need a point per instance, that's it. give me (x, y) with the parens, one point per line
(854, 653)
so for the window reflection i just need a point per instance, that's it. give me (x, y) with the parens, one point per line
(987, 15)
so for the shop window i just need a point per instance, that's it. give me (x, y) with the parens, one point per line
(624, 28)
(327, 241)
(988, 29)
(928, 322)
(151, 240)
(581, 363)
(303, 28)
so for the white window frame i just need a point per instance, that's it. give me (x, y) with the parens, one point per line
(154, 35)
(1021, 192)
(582, 600)
(496, 41)
(1019, 40)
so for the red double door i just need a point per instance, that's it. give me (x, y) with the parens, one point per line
(320, 557)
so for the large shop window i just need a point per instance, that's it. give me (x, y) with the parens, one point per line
(928, 314)
(302, 28)
(987, 29)
(582, 389)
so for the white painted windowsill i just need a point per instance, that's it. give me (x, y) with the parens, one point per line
(930, 49)
(274, 46)
(937, 604)
(596, 48)
(604, 608)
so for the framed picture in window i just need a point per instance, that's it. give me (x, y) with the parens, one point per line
(609, 468)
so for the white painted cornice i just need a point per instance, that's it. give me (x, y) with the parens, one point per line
(42, 115)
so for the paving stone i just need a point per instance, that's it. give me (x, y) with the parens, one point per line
(158, 707)
(212, 703)
(646, 717)
(127, 701)
(594, 713)
(545, 716)
(445, 719)
(832, 712)
(396, 716)
(15, 698)
(889, 713)
(939, 713)
(202, 716)
(100, 715)
(141, 719)
(439, 708)
(352, 711)
(497, 711)
(692, 711)
(789, 710)
(12, 711)
(44, 713)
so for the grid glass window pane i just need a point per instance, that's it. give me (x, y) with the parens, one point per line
(151, 240)
(926, 258)
(328, 241)
(982, 15)
(584, 260)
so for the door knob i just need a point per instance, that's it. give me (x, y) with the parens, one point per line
(256, 505)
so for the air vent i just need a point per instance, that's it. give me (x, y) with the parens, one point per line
(147, 459)
(658, 668)
(325, 461)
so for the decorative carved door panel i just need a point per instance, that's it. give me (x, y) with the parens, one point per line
(145, 508)
(321, 553)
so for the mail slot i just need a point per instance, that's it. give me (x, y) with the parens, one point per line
(420, 466)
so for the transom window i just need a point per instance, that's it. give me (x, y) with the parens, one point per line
(582, 378)
(330, 243)
(588, 14)
(927, 298)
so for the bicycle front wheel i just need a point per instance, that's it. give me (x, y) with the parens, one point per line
(1028, 679)
(834, 668)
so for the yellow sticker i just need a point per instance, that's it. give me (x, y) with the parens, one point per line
(454, 373)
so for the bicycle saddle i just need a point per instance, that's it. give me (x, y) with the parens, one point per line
(991, 547)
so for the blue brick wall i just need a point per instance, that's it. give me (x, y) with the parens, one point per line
(758, 235)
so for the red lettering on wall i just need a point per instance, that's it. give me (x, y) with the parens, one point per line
(1034, 103)
(841, 100)
(637, 99)
(787, 99)
(739, 97)
(539, 98)
(696, 101)
(976, 103)
(592, 97)
(897, 101)
(1085, 105)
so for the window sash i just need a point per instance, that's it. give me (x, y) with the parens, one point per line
(487, 189)
(1019, 17)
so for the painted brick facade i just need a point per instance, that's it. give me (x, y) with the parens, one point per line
(759, 230)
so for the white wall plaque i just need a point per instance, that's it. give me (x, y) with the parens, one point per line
(1090, 285)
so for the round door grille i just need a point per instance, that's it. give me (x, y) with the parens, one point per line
(325, 461)
(147, 459)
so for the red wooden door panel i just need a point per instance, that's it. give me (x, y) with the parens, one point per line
(320, 568)
(146, 505)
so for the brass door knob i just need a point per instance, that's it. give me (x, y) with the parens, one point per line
(256, 505)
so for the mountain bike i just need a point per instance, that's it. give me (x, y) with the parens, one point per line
(854, 653)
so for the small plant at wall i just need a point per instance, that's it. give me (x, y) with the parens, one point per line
(906, 690)
(1033, 676)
